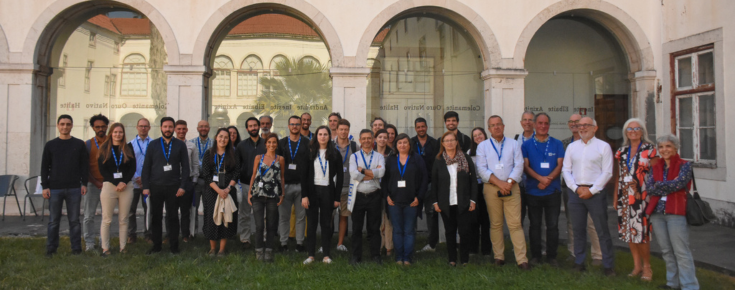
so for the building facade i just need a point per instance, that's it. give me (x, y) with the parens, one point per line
(226, 60)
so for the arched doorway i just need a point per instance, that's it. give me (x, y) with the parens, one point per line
(130, 121)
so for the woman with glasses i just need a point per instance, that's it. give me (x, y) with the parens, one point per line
(631, 198)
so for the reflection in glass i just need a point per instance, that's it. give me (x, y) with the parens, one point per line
(707, 144)
(684, 72)
(119, 47)
(687, 143)
(706, 110)
(685, 112)
(707, 141)
(706, 68)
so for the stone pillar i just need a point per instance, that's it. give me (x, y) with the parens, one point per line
(349, 96)
(186, 95)
(505, 96)
(643, 86)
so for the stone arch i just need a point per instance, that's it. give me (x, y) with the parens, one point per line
(452, 9)
(62, 14)
(222, 20)
(628, 32)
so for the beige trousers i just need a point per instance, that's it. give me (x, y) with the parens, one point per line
(510, 207)
(109, 197)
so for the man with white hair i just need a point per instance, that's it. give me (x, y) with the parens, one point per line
(588, 165)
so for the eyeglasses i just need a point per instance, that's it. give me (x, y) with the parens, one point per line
(495, 125)
(636, 129)
(572, 122)
(586, 125)
(100, 127)
(294, 124)
(449, 140)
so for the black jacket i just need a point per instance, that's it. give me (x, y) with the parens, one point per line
(431, 148)
(154, 161)
(416, 177)
(335, 169)
(246, 152)
(466, 185)
(302, 159)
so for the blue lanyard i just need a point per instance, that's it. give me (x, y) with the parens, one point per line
(310, 135)
(114, 156)
(321, 165)
(347, 151)
(502, 144)
(535, 145)
(398, 161)
(420, 149)
(293, 154)
(140, 148)
(269, 167)
(628, 161)
(219, 165)
(199, 146)
(169, 150)
(371, 158)
(95, 143)
(350, 138)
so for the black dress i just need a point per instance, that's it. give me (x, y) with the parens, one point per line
(212, 231)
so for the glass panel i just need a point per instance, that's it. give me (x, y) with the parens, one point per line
(707, 144)
(685, 112)
(684, 72)
(282, 72)
(706, 68)
(687, 143)
(128, 51)
(707, 111)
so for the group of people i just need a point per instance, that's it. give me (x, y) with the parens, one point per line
(474, 183)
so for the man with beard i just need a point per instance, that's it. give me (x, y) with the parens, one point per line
(202, 143)
(295, 150)
(333, 119)
(165, 172)
(427, 147)
(94, 188)
(246, 152)
(305, 124)
(451, 122)
(266, 122)
(185, 201)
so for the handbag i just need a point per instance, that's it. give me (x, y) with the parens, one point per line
(698, 211)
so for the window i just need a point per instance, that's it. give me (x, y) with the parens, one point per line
(278, 59)
(92, 39)
(694, 93)
(62, 69)
(87, 73)
(221, 84)
(107, 85)
(247, 77)
(113, 84)
(134, 76)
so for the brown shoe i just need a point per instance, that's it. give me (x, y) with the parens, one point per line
(524, 266)
(499, 262)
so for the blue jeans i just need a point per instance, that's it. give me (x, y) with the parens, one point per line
(403, 218)
(672, 235)
(73, 198)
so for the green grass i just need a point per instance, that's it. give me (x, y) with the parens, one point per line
(23, 265)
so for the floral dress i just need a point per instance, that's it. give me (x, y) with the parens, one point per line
(633, 224)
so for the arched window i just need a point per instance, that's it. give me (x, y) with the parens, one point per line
(310, 59)
(274, 63)
(134, 76)
(221, 84)
(247, 77)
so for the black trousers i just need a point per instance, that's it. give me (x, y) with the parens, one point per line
(265, 210)
(164, 195)
(184, 203)
(454, 221)
(319, 213)
(132, 221)
(547, 208)
(366, 204)
(524, 203)
(432, 223)
(480, 228)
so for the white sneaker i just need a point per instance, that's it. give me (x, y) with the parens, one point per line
(428, 248)
(308, 260)
(342, 248)
(327, 260)
(320, 250)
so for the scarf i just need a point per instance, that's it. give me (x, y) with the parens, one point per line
(674, 167)
(459, 159)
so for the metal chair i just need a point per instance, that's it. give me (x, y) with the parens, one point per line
(7, 188)
(29, 197)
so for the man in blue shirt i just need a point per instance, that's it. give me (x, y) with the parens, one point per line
(140, 146)
(543, 157)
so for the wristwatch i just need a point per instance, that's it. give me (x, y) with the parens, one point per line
(510, 180)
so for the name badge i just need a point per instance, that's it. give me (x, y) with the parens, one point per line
(117, 175)
(498, 166)
(344, 169)
(544, 164)
(401, 183)
(215, 178)
(479, 181)
(167, 167)
(260, 184)
(292, 166)
(628, 179)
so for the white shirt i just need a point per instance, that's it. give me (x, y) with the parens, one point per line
(193, 156)
(319, 177)
(140, 146)
(452, 183)
(588, 163)
(511, 159)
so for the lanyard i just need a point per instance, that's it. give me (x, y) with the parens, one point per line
(310, 135)
(347, 151)
(140, 148)
(199, 146)
(371, 158)
(628, 161)
(219, 165)
(324, 168)
(535, 145)
(169, 150)
(96, 144)
(261, 164)
(398, 161)
(114, 156)
(502, 144)
(290, 151)
(421, 150)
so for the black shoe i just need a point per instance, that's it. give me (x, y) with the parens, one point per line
(552, 263)
(610, 272)
(246, 245)
(664, 286)
(354, 261)
(77, 252)
(50, 254)
(175, 251)
(283, 248)
(534, 262)
(152, 251)
(524, 266)
(378, 260)
(300, 248)
(579, 268)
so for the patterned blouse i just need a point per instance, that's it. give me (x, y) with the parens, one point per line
(663, 188)
(267, 182)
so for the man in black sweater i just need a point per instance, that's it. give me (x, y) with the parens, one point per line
(246, 152)
(166, 162)
(427, 147)
(64, 175)
(295, 151)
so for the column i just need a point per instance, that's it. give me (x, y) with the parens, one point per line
(504, 96)
(349, 96)
(643, 86)
(186, 95)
